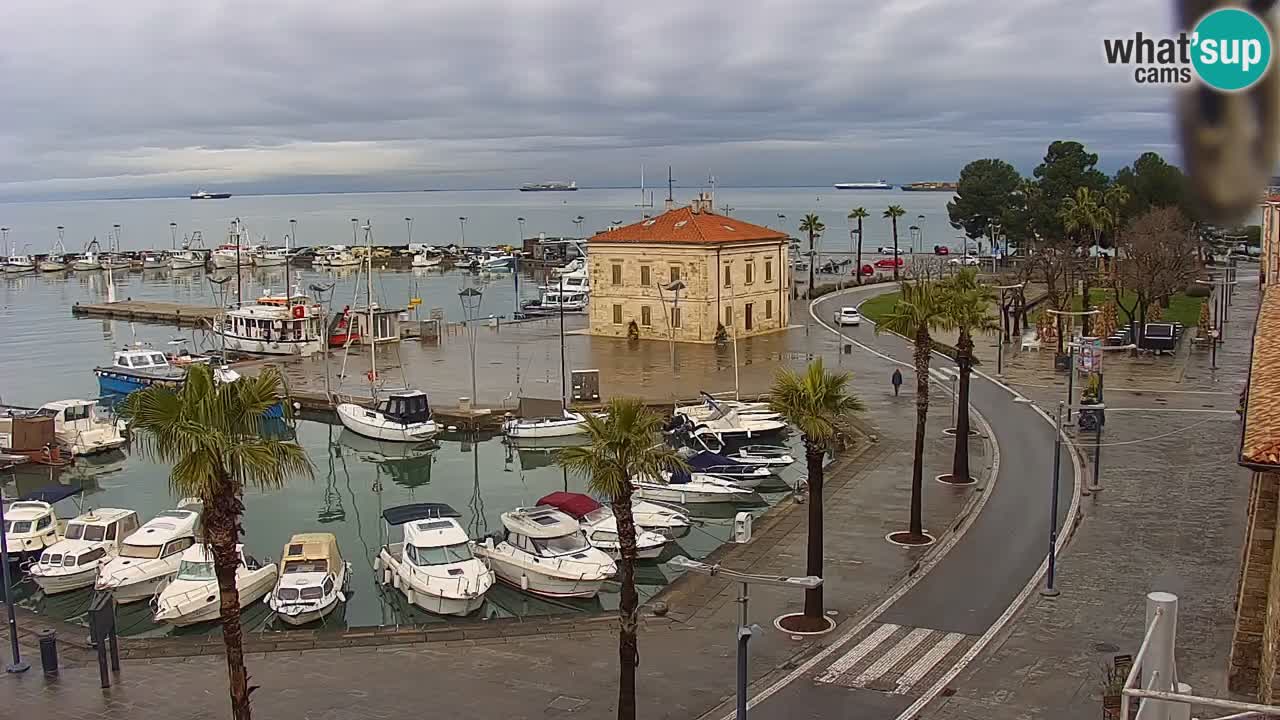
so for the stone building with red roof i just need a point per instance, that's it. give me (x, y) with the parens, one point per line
(685, 273)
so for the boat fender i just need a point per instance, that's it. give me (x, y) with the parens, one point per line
(377, 564)
(395, 581)
(342, 597)
(299, 312)
(409, 595)
(386, 576)
(524, 582)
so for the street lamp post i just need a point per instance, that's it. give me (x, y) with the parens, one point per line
(744, 631)
(408, 232)
(462, 231)
(673, 287)
(471, 299)
(17, 666)
(1221, 288)
(520, 222)
(920, 224)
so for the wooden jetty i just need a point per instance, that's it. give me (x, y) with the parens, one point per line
(149, 311)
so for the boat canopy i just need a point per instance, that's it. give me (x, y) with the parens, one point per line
(408, 408)
(166, 526)
(540, 522)
(679, 476)
(401, 514)
(706, 459)
(575, 504)
(53, 494)
(311, 552)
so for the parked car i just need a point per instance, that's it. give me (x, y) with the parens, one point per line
(966, 260)
(941, 250)
(868, 270)
(889, 251)
(848, 316)
(889, 262)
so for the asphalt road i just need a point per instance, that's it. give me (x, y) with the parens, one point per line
(970, 589)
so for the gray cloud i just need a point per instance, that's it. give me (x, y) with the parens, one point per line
(143, 96)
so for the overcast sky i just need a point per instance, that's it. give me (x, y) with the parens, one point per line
(136, 97)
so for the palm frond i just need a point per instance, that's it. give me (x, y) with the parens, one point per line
(816, 402)
(623, 445)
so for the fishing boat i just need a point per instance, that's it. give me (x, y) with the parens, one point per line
(154, 260)
(286, 324)
(31, 524)
(89, 542)
(139, 366)
(434, 566)
(114, 262)
(55, 261)
(274, 257)
(235, 252)
(402, 415)
(689, 488)
(187, 258)
(343, 329)
(423, 260)
(313, 579)
(88, 260)
(78, 426)
(601, 527)
(193, 595)
(148, 559)
(18, 264)
(545, 552)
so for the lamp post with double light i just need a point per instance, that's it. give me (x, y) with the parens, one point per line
(1217, 296)
(471, 299)
(462, 230)
(744, 631)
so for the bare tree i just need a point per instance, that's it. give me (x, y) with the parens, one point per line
(1053, 262)
(1155, 258)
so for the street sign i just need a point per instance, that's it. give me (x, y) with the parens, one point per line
(1089, 359)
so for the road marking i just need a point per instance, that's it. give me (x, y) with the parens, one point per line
(892, 657)
(859, 651)
(926, 663)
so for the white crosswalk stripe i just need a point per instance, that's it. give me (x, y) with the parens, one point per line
(895, 659)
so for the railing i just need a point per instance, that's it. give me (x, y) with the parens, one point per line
(1159, 695)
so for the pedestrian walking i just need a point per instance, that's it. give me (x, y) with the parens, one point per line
(897, 381)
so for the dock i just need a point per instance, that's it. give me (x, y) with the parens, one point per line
(149, 311)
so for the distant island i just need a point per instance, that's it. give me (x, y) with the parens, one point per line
(930, 187)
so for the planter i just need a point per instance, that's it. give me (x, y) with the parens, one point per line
(1111, 707)
(1061, 361)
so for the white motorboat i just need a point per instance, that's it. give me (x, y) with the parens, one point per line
(746, 410)
(313, 579)
(77, 425)
(690, 488)
(115, 262)
(423, 260)
(545, 552)
(17, 264)
(192, 597)
(30, 524)
(274, 325)
(403, 416)
(272, 257)
(574, 266)
(342, 259)
(497, 261)
(148, 559)
(725, 423)
(89, 259)
(709, 463)
(570, 423)
(552, 302)
(89, 542)
(153, 260)
(666, 520)
(185, 260)
(601, 526)
(435, 566)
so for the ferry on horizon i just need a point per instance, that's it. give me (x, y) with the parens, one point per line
(203, 195)
(882, 185)
(549, 186)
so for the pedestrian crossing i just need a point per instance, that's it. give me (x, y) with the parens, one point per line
(896, 659)
(943, 375)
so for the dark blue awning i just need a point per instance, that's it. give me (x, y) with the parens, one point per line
(402, 514)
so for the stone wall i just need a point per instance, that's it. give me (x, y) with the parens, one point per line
(717, 289)
(1255, 643)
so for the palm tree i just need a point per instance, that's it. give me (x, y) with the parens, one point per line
(208, 432)
(820, 405)
(968, 310)
(859, 214)
(624, 444)
(921, 309)
(1115, 198)
(812, 225)
(1085, 216)
(892, 214)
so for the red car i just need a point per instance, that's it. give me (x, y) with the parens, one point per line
(889, 262)
(868, 270)
(941, 250)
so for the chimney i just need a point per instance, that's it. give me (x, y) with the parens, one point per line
(670, 204)
(701, 204)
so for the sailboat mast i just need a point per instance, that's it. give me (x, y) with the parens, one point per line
(368, 280)
(564, 396)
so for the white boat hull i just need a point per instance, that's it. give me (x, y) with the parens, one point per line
(421, 594)
(270, 261)
(83, 266)
(575, 424)
(674, 494)
(307, 616)
(18, 269)
(255, 346)
(550, 577)
(223, 262)
(371, 424)
(183, 603)
(542, 584)
(60, 583)
(186, 263)
(140, 590)
(52, 266)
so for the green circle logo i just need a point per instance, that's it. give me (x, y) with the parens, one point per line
(1232, 49)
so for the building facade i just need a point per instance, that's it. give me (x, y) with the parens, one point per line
(685, 273)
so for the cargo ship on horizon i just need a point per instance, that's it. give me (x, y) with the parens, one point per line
(549, 187)
(203, 195)
(882, 185)
(933, 186)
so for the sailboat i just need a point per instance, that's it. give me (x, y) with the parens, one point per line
(567, 423)
(400, 416)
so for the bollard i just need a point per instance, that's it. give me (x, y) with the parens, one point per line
(49, 651)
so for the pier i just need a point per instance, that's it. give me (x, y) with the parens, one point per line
(149, 311)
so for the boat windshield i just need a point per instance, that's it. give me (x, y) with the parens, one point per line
(599, 514)
(141, 552)
(306, 566)
(17, 526)
(80, 531)
(563, 545)
(424, 556)
(195, 570)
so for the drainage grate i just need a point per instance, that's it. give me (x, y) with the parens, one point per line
(567, 703)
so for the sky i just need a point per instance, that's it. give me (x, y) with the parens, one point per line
(150, 97)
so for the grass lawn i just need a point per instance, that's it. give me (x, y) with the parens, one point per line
(880, 306)
(1182, 308)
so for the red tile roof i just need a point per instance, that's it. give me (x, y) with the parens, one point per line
(683, 226)
(1261, 439)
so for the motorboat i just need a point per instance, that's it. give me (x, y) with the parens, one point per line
(726, 423)
(137, 367)
(343, 329)
(185, 260)
(274, 325)
(152, 260)
(769, 456)
(313, 579)
(192, 597)
(744, 474)
(342, 259)
(689, 488)
(77, 425)
(746, 410)
(601, 527)
(17, 264)
(497, 261)
(271, 257)
(574, 266)
(423, 260)
(569, 423)
(235, 252)
(552, 302)
(545, 552)
(667, 520)
(149, 558)
(90, 541)
(30, 523)
(115, 262)
(434, 566)
(403, 416)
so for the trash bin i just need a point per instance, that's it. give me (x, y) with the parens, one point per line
(49, 651)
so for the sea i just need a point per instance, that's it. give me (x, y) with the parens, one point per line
(48, 354)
